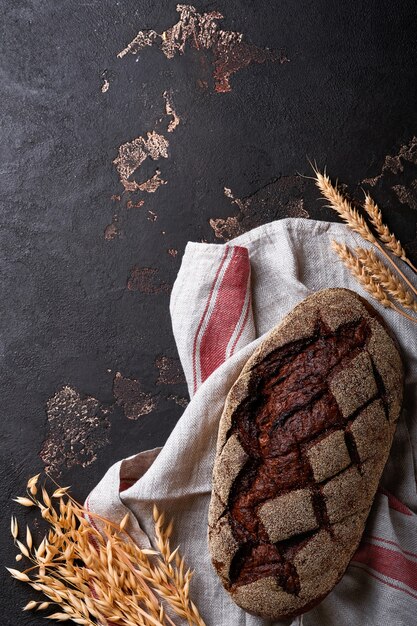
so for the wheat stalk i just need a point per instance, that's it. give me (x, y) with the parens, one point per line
(353, 219)
(386, 278)
(384, 233)
(100, 576)
(365, 278)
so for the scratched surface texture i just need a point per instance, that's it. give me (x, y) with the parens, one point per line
(131, 127)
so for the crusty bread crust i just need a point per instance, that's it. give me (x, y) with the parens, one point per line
(290, 499)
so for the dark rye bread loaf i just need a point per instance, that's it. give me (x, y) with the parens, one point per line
(304, 436)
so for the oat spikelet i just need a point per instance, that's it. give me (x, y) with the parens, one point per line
(24, 501)
(18, 575)
(385, 235)
(363, 276)
(386, 278)
(30, 606)
(14, 528)
(178, 598)
(94, 573)
(32, 482)
(29, 539)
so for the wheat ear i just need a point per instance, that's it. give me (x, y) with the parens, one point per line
(342, 207)
(353, 219)
(365, 279)
(386, 278)
(384, 233)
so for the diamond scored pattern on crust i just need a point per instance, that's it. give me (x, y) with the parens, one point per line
(333, 488)
(304, 445)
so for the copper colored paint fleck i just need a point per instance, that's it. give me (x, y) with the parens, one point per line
(112, 230)
(145, 280)
(407, 195)
(153, 183)
(143, 38)
(77, 429)
(135, 205)
(283, 197)
(399, 176)
(116, 198)
(169, 110)
(411, 247)
(203, 84)
(172, 252)
(128, 394)
(230, 52)
(225, 228)
(183, 402)
(395, 164)
(152, 217)
(170, 371)
(133, 153)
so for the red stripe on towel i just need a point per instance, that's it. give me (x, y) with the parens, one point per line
(394, 503)
(203, 317)
(382, 580)
(226, 312)
(389, 563)
(245, 321)
(392, 543)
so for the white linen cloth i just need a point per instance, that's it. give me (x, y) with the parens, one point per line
(225, 298)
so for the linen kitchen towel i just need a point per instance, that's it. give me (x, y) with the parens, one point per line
(226, 297)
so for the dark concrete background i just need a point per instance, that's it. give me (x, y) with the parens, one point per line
(89, 369)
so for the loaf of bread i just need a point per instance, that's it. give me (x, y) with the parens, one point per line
(304, 436)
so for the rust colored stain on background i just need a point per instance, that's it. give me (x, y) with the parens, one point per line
(134, 205)
(407, 195)
(395, 164)
(133, 153)
(131, 156)
(129, 395)
(283, 197)
(145, 280)
(169, 110)
(399, 174)
(112, 230)
(77, 429)
(202, 31)
(153, 183)
(170, 371)
(180, 400)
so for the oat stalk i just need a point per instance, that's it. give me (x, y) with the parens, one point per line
(100, 576)
(353, 219)
(365, 278)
